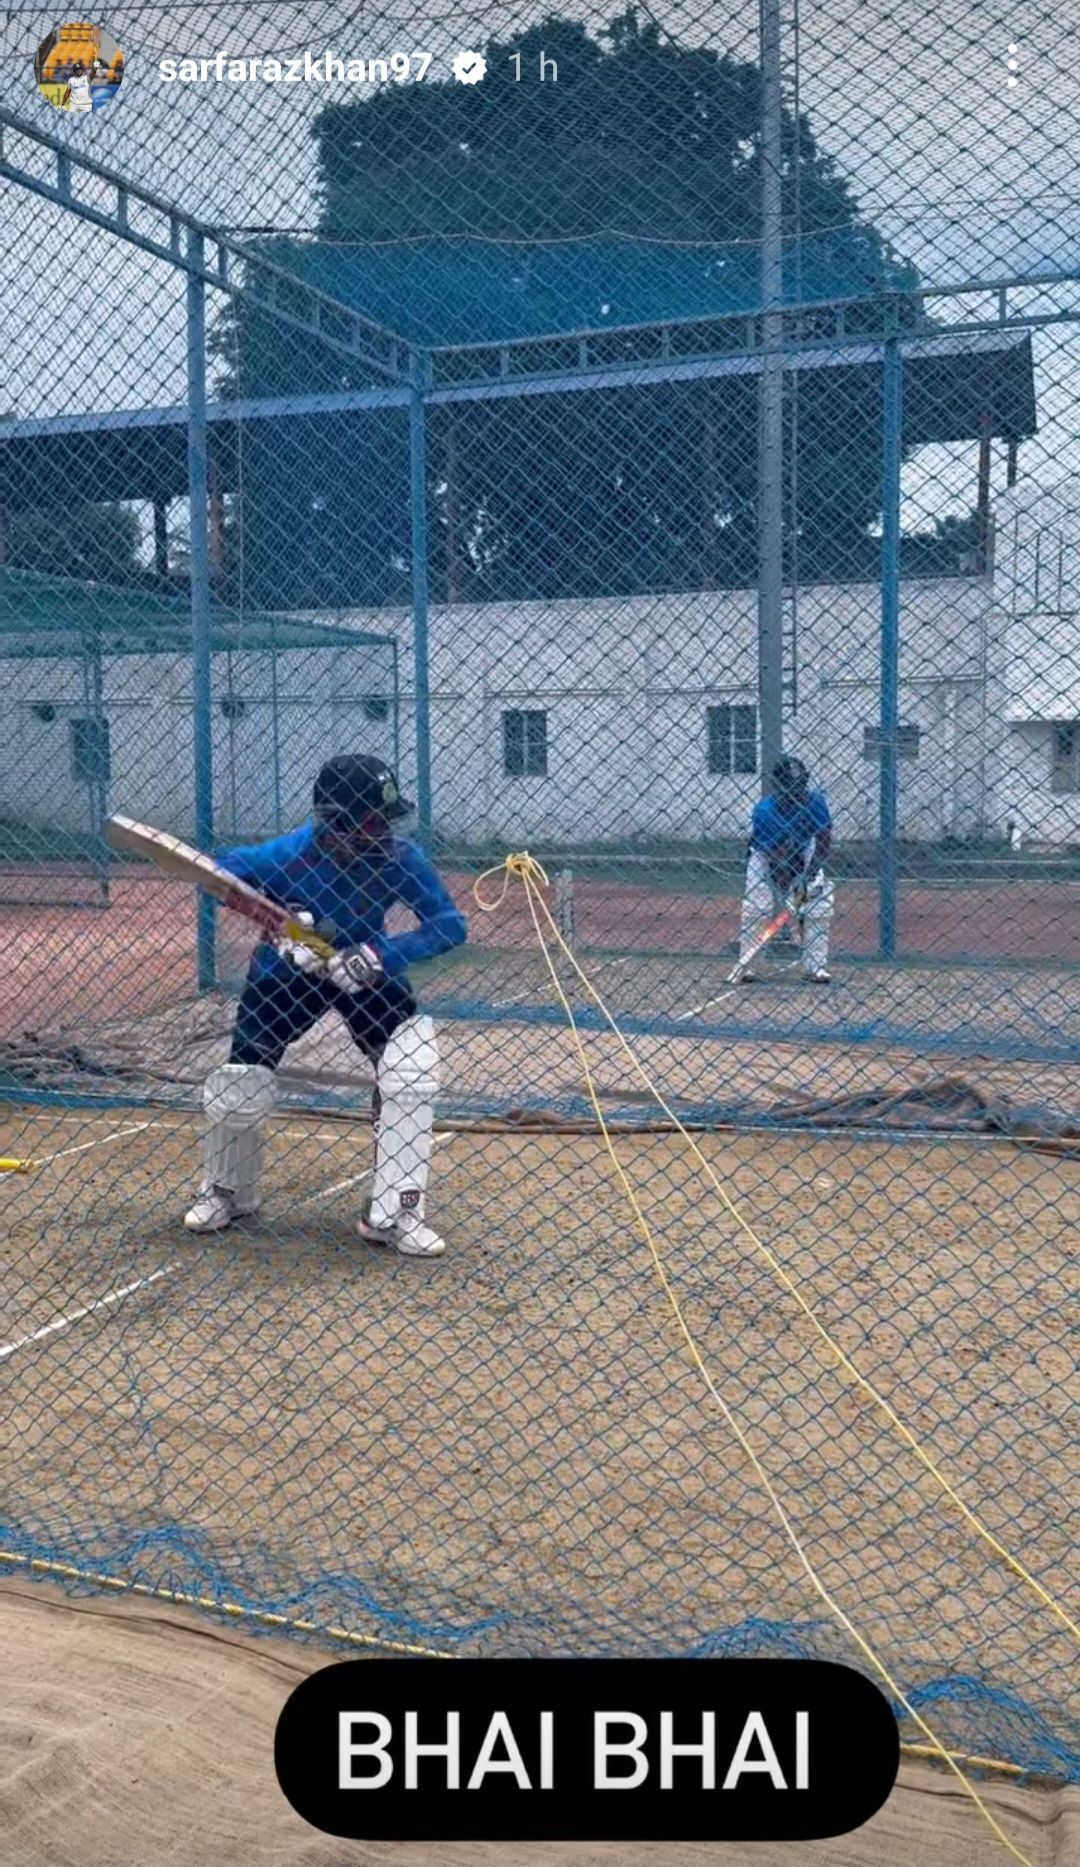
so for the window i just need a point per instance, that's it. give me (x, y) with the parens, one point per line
(90, 751)
(907, 742)
(525, 753)
(1065, 756)
(732, 740)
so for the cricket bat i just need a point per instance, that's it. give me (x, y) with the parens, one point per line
(178, 858)
(775, 926)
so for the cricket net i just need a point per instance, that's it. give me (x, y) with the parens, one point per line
(499, 468)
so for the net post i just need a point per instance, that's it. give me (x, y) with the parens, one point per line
(198, 498)
(564, 905)
(99, 794)
(770, 482)
(892, 391)
(421, 670)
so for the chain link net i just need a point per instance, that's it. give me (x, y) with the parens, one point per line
(515, 479)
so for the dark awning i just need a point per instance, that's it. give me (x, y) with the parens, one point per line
(955, 388)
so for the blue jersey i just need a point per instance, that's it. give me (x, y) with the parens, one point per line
(349, 904)
(787, 831)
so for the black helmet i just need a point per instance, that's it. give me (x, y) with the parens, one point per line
(351, 786)
(791, 777)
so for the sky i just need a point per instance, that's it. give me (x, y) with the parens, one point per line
(969, 176)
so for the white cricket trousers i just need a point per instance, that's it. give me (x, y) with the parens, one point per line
(761, 902)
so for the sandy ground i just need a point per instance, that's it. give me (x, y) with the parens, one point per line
(510, 1451)
(132, 1733)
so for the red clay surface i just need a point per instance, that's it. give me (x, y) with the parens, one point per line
(71, 966)
(975, 920)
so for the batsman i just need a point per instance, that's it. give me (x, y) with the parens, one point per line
(790, 840)
(338, 874)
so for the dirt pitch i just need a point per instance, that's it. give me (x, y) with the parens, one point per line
(509, 1451)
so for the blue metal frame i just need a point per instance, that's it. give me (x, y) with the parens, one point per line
(234, 267)
(93, 692)
(892, 397)
(275, 735)
(660, 354)
(395, 660)
(198, 496)
(513, 367)
(421, 667)
(748, 362)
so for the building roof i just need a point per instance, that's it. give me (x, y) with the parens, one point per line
(957, 386)
(53, 617)
(441, 292)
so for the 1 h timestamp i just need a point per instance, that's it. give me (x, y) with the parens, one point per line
(549, 70)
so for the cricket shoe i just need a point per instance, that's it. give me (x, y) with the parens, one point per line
(818, 975)
(410, 1236)
(749, 978)
(215, 1209)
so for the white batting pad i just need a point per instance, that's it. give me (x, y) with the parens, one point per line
(816, 923)
(237, 1098)
(407, 1082)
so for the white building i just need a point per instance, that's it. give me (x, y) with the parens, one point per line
(97, 712)
(1037, 588)
(587, 721)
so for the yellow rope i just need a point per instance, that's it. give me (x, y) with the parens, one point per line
(532, 876)
(530, 872)
(976, 1763)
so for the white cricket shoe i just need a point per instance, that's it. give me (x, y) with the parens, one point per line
(214, 1209)
(410, 1236)
(817, 975)
(749, 978)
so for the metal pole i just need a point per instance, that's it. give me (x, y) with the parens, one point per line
(421, 672)
(275, 727)
(94, 716)
(198, 494)
(397, 703)
(890, 642)
(793, 380)
(100, 804)
(770, 489)
(230, 724)
(161, 537)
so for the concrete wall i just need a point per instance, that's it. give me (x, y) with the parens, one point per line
(626, 685)
(320, 708)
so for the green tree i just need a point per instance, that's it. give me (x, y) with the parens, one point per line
(99, 541)
(629, 187)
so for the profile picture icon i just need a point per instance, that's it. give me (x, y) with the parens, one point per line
(79, 67)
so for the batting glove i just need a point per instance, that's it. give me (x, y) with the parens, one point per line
(301, 956)
(804, 892)
(358, 970)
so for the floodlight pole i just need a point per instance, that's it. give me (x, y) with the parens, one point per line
(770, 486)
(199, 547)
